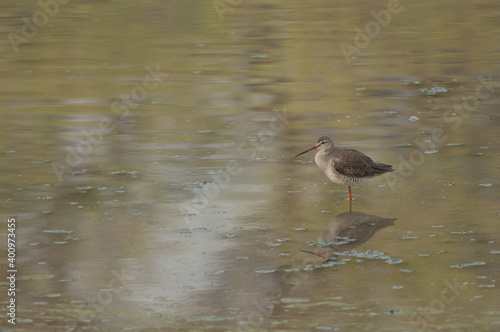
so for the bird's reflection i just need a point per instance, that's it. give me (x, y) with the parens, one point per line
(347, 231)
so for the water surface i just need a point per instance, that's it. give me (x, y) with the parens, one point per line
(148, 160)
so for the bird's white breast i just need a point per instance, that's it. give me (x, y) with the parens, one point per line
(328, 166)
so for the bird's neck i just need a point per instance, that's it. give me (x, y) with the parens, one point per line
(322, 157)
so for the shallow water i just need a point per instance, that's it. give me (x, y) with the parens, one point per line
(148, 161)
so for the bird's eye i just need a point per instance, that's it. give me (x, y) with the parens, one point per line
(323, 142)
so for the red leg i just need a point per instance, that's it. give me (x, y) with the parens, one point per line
(350, 200)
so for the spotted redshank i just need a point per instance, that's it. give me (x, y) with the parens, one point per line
(345, 166)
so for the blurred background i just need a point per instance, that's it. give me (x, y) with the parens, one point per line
(147, 156)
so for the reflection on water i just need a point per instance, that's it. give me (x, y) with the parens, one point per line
(273, 290)
(347, 231)
(101, 158)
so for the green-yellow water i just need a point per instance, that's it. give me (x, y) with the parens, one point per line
(147, 158)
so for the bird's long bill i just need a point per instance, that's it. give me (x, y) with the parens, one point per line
(313, 148)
